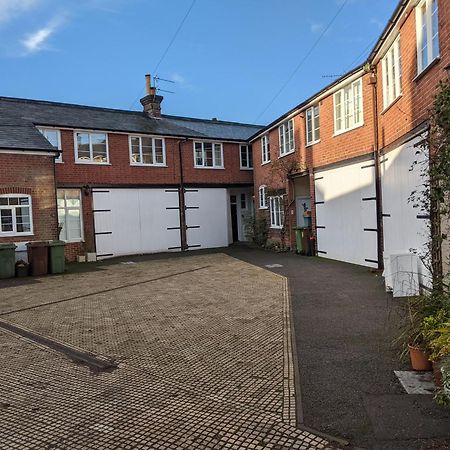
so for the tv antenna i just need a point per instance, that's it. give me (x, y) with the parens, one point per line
(164, 80)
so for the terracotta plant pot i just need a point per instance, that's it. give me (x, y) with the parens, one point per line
(419, 359)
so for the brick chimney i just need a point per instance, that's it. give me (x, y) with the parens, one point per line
(151, 102)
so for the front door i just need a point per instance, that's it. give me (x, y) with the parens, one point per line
(234, 218)
(303, 208)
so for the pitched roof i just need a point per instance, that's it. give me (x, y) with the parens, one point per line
(22, 113)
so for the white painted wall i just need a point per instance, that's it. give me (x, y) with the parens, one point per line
(404, 232)
(345, 215)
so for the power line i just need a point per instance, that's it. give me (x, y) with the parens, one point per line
(350, 66)
(300, 64)
(180, 26)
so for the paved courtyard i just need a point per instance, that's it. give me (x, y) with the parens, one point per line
(202, 354)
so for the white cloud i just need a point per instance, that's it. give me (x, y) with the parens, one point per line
(37, 41)
(317, 27)
(10, 8)
(378, 23)
(177, 78)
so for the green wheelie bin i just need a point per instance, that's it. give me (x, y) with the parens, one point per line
(56, 261)
(7, 260)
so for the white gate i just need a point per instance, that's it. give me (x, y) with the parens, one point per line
(346, 213)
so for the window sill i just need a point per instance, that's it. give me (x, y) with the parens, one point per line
(432, 64)
(338, 133)
(312, 143)
(246, 168)
(391, 104)
(286, 154)
(273, 227)
(92, 163)
(73, 241)
(209, 168)
(263, 207)
(17, 235)
(265, 163)
(148, 165)
(59, 162)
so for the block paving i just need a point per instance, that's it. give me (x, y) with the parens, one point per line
(204, 358)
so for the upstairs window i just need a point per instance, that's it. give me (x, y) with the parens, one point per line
(265, 149)
(263, 197)
(312, 125)
(276, 212)
(91, 148)
(427, 30)
(392, 74)
(69, 214)
(246, 157)
(208, 155)
(15, 215)
(348, 107)
(286, 137)
(54, 137)
(147, 151)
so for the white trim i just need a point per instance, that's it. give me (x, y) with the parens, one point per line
(265, 138)
(80, 239)
(391, 69)
(43, 131)
(28, 152)
(249, 154)
(419, 34)
(141, 164)
(90, 161)
(276, 215)
(348, 88)
(214, 166)
(314, 140)
(262, 204)
(14, 220)
(286, 142)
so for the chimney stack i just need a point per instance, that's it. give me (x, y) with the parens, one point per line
(151, 102)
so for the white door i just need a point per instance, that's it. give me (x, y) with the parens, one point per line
(132, 221)
(405, 227)
(346, 213)
(206, 218)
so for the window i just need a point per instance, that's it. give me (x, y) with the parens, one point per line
(15, 215)
(312, 125)
(208, 154)
(392, 74)
(54, 137)
(243, 201)
(276, 212)
(427, 27)
(286, 137)
(265, 149)
(263, 197)
(91, 148)
(147, 151)
(348, 108)
(69, 214)
(246, 157)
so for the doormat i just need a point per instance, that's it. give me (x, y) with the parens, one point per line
(416, 382)
(273, 266)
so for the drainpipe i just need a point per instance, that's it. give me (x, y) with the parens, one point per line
(181, 199)
(376, 154)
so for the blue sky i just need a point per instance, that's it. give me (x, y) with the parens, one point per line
(229, 60)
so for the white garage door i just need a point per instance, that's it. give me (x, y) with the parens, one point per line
(134, 221)
(346, 213)
(405, 227)
(207, 218)
(131, 221)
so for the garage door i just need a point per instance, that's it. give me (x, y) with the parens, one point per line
(134, 221)
(346, 213)
(131, 221)
(405, 227)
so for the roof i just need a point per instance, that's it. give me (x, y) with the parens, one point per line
(23, 114)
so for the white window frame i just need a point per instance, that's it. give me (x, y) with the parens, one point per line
(342, 93)
(315, 123)
(276, 212)
(90, 161)
(14, 216)
(392, 74)
(286, 137)
(214, 166)
(154, 163)
(265, 149)
(249, 153)
(430, 33)
(66, 209)
(44, 131)
(262, 193)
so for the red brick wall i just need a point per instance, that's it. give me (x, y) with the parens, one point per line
(120, 172)
(32, 175)
(412, 108)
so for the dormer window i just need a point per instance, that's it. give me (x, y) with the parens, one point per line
(54, 137)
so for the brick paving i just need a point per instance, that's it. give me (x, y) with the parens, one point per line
(204, 353)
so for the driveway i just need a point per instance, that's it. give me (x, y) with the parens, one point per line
(345, 324)
(199, 350)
